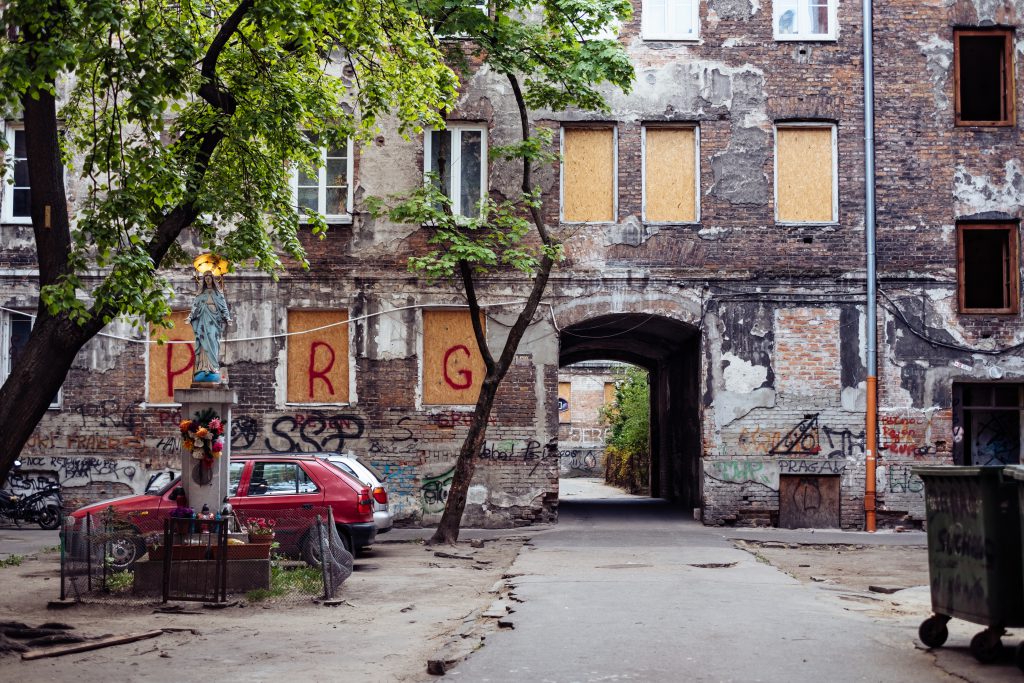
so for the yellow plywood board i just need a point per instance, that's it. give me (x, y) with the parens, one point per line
(453, 369)
(588, 175)
(609, 393)
(670, 164)
(170, 365)
(565, 399)
(318, 360)
(804, 182)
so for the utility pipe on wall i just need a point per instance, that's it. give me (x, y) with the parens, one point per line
(871, 414)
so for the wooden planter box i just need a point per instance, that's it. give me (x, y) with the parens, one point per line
(249, 551)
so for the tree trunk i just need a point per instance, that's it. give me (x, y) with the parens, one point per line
(35, 379)
(448, 529)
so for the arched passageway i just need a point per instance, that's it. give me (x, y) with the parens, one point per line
(670, 351)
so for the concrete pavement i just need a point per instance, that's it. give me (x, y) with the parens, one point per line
(27, 540)
(634, 590)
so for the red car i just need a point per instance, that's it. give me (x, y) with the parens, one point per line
(283, 488)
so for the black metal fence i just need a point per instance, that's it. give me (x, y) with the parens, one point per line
(259, 554)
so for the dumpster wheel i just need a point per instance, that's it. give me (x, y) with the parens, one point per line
(987, 645)
(933, 631)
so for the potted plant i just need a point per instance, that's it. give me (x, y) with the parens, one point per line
(261, 530)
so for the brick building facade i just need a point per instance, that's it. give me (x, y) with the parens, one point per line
(737, 280)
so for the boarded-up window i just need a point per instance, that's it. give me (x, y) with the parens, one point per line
(588, 175)
(564, 402)
(318, 359)
(805, 174)
(170, 365)
(670, 173)
(609, 393)
(452, 367)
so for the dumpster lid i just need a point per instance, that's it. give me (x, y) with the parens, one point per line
(953, 471)
(1015, 471)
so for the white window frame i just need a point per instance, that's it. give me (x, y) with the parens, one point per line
(8, 192)
(330, 218)
(696, 172)
(456, 129)
(801, 11)
(5, 351)
(615, 174)
(835, 169)
(655, 27)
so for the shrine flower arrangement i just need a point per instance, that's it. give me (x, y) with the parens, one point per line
(203, 436)
(261, 526)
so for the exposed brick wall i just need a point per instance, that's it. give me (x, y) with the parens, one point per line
(778, 308)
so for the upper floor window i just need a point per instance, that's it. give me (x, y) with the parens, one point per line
(671, 180)
(457, 156)
(988, 279)
(983, 71)
(16, 196)
(15, 329)
(805, 173)
(329, 190)
(670, 19)
(804, 19)
(589, 174)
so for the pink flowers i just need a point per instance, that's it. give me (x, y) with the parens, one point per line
(217, 446)
(216, 427)
(261, 526)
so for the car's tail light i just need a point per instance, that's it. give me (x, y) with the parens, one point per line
(380, 495)
(363, 504)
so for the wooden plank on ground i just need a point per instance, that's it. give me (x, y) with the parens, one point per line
(91, 645)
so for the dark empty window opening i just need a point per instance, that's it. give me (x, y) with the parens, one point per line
(984, 77)
(988, 268)
(988, 417)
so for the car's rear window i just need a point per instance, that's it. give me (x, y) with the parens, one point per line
(373, 470)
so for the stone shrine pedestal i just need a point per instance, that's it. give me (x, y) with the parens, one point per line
(199, 491)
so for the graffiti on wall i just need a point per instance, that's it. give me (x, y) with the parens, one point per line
(37, 471)
(583, 460)
(800, 440)
(434, 491)
(313, 432)
(744, 471)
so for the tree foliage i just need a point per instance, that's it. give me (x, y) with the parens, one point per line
(627, 444)
(206, 106)
(184, 114)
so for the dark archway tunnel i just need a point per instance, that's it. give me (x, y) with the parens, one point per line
(670, 351)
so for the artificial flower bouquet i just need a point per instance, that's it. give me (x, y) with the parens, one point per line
(203, 436)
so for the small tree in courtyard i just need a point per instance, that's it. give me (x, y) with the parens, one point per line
(628, 444)
(183, 114)
(547, 53)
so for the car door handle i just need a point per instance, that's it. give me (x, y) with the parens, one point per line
(307, 506)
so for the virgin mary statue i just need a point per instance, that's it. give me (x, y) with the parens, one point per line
(208, 319)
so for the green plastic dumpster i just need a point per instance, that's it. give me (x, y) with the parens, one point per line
(974, 554)
(1015, 473)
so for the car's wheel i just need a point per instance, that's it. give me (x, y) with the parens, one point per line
(49, 517)
(311, 546)
(124, 552)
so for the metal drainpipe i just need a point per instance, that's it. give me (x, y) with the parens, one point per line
(871, 416)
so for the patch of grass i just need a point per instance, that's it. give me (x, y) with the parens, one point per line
(12, 561)
(120, 582)
(49, 549)
(304, 580)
